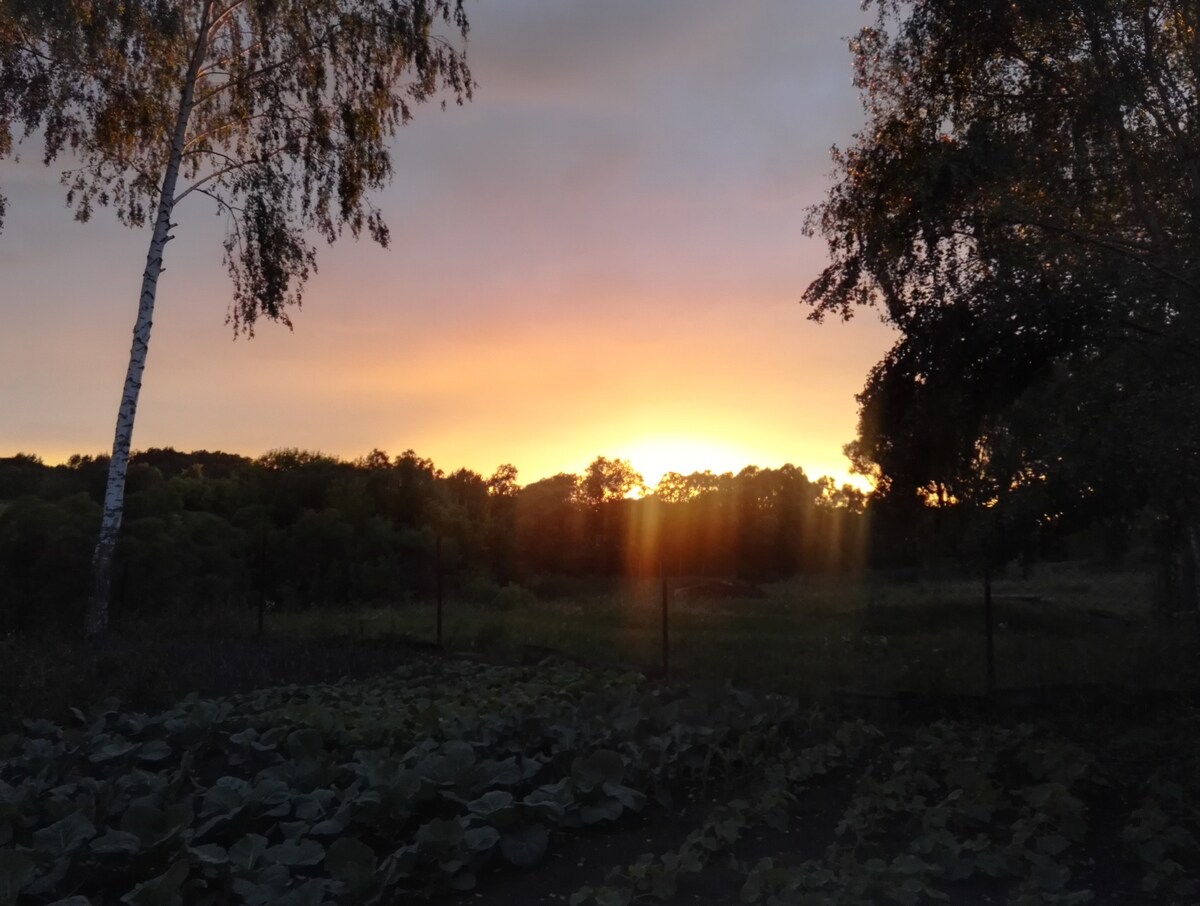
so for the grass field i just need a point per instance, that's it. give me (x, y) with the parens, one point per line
(807, 637)
(1068, 625)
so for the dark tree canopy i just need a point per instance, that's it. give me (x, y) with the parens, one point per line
(207, 529)
(1023, 204)
(609, 479)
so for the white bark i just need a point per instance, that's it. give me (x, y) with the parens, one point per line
(96, 621)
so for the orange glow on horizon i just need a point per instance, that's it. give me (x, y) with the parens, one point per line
(654, 457)
(650, 457)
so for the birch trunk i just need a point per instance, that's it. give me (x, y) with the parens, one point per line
(96, 621)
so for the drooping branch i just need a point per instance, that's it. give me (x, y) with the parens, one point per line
(220, 18)
(293, 114)
(1119, 248)
(234, 166)
(242, 81)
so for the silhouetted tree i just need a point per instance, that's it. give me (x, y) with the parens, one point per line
(44, 547)
(500, 532)
(549, 525)
(609, 479)
(1022, 205)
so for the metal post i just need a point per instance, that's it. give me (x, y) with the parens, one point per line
(666, 646)
(262, 578)
(438, 568)
(988, 620)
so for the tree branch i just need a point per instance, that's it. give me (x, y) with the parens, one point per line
(224, 14)
(267, 69)
(217, 174)
(1111, 246)
(221, 202)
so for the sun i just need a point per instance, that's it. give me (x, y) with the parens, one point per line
(655, 456)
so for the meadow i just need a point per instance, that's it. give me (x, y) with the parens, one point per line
(1068, 624)
(884, 633)
(818, 639)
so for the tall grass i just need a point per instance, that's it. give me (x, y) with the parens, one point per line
(1067, 624)
(809, 637)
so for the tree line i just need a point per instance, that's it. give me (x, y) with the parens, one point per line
(301, 529)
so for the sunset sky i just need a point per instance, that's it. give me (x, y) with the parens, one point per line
(601, 255)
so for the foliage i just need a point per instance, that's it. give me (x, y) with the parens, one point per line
(607, 480)
(422, 779)
(1021, 205)
(952, 811)
(412, 783)
(291, 109)
(300, 528)
(44, 551)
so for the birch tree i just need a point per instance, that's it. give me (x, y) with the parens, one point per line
(279, 112)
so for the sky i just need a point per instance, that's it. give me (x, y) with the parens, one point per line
(602, 254)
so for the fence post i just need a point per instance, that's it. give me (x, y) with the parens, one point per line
(262, 578)
(988, 619)
(438, 570)
(666, 644)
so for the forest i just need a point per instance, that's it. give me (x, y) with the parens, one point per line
(214, 530)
